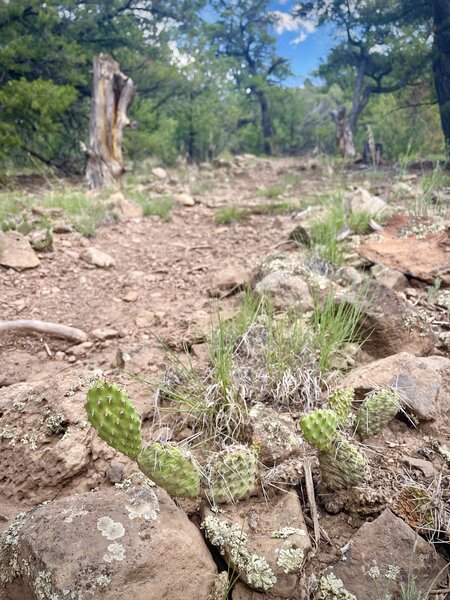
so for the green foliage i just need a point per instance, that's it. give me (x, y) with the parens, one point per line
(156, 206)
(325, 231)
(111, 413)
(172, 468)
(230, 214)
(336, 323)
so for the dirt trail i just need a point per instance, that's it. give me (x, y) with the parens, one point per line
(160, 281)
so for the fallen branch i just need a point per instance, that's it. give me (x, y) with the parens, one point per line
(62, 331)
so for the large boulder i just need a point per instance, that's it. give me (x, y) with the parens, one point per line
(265, 540)
(16, 252)
(114, 544)
(383, 556)
(389, 324)
(424, 383)
(47, 447)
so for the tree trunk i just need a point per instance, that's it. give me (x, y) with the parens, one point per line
(112, 95)
(344, 134)
(268, 128)
(441, 65)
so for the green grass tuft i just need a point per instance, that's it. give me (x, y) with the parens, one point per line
(230, 214)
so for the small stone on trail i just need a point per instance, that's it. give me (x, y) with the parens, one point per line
(361, 200)
(130, 296)
(115, 471)
(96, 257)
(16, 252)
(184, 199)
(105, 334)
(160, 173)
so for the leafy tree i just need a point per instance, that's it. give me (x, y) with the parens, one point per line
(373, 55)
(241, 31)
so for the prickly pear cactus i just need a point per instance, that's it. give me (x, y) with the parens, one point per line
(111, 413)
(377, 410)
(319, 427)
(231, 474)
(343, 465)
(172, 468)
(340, 401)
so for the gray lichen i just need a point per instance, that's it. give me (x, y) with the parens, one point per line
(290, 559)
(9, 557)
(43, 587)
(232, 542)
(332, 588)
(285, 532)
(110, 529)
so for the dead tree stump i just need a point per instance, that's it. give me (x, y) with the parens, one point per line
(113, 92)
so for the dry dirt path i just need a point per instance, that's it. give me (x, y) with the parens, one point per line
(160, 281)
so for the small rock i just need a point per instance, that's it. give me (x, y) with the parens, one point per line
(230, 278)
(361, 200)
(105, 334)
(130, 296)
(115, 471)
(80, 349)
(41, 239)
(384, 555)
(60, 355)
(127, 209)
(145, 319)
(184, 199)
(390, 278)
(160, 173)
(423, 465)
(16, 252)
(96, 257)
(285, 290)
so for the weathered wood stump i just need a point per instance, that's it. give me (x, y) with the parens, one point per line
(113, 92)
(344, 133)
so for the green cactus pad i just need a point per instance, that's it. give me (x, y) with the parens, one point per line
(111, 413)
(340, 401)
(172, 468)
(319, 427)
(231, 474)
(377, 410)
(343, 465)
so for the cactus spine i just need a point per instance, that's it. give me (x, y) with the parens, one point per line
(340, 400)
(343, 465)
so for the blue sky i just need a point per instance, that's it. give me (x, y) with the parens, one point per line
(299, 41)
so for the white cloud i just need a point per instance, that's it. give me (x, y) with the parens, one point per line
(285, 22)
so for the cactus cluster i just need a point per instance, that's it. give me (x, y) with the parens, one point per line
(341, 462)
(230, 474)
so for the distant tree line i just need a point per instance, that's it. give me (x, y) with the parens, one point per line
(210, 80)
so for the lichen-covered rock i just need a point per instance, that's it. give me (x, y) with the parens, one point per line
(47, 447)
(384, 555)
(274, 434)
(264, 541)
(131, 542)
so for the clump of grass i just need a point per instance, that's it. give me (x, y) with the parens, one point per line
(335, 324)
(277, 207)
(291, 179)
(230, 214)
(160, 206)
(272, 192)
(359, 222)
(83, 213)
(325, 232)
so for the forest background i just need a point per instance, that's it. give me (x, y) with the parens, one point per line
(210, 79)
